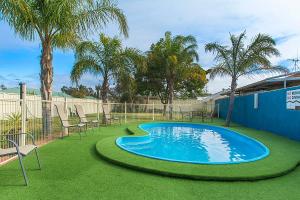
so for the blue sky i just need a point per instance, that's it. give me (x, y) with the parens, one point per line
(207, 20)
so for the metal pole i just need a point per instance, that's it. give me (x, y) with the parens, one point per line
(23, 112)
(65, 104)
(125, 109)
(66, 130)
(284, 83)
(98, 106)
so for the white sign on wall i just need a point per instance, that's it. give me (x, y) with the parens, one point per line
(292, 99)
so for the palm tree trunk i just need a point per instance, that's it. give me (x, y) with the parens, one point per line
(165, 110)
(231, 101)
(171, 97)
(104, 90)
(46, 78)
(104, 94)
(164, 101)
(147, 102)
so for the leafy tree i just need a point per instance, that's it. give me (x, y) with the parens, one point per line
(239, 60)
(168, 59)
(58, 24)
(108, 60)
(152, 80)
(142, 78)
(79, 92)
(126, 89)
(3, 87)
(194, 80)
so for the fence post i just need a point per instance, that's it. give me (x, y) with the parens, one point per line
(98, 113)
(66, 110)
(125, 110)
(65, 105)
(23, 112)
(98, 105)
(152, 111)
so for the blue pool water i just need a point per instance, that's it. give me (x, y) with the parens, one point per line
(193, 143)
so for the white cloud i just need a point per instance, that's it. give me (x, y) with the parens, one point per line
(212, 21)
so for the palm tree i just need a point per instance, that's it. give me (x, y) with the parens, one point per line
(106, 59)
(99, 58)
(240, 60)
(175, 54)
(58, 24)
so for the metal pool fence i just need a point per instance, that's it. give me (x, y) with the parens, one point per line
(25, 115)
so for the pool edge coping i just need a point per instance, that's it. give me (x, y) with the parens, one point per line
(146, 133)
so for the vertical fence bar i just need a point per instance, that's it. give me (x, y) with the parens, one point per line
(98, 104)
(23, 112)
(66, 104)
(66, 130)
(98, 107)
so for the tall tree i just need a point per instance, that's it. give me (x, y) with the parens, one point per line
(58, 24)
(239, 60)
(106, 59)
(99, 58)
(172, 55)
(152, 81)
(80, 91)
(126, 89)
(194, 80)
(3, 87)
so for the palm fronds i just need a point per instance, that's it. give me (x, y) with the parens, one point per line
(240, 60)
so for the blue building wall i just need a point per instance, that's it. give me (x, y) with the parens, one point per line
(271, 114)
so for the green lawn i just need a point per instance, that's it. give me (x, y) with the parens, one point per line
(274, 165)
(72, 169)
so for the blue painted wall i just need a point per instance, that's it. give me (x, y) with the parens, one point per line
(271, 114)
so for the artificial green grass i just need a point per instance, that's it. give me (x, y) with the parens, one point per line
(284, 157)
(72, 169)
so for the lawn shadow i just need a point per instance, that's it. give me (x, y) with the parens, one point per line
(11, 178)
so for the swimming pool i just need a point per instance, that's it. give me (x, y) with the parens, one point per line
(193, 143)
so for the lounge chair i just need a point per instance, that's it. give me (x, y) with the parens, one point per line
(108, 118)
(65, 122)
(20, 151)
(83, 118)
